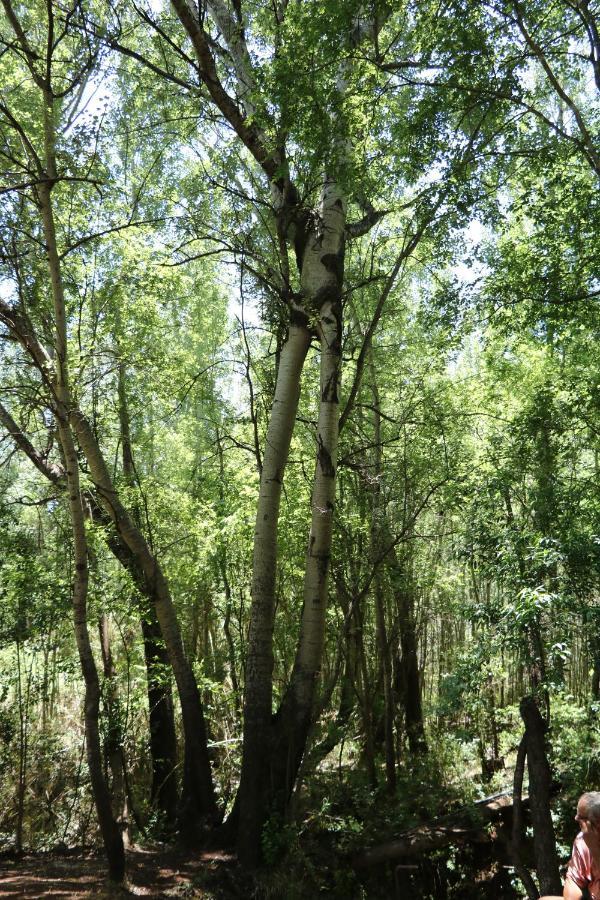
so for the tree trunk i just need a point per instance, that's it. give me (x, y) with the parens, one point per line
(377, 539)
(321, 267)
(198, 798)
(322, 276)
(111, 835)
(163, 741)
(518, 831)
(23, 707)
(113, 743)
(336, 730)
(259, 659)
(365, 692)
(596, 679)
(408, 675)
(544, 840)
(347, 687)
(163, 745)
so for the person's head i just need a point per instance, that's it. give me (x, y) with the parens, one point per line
(588, 812)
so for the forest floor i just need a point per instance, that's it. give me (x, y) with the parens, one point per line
(151, 873)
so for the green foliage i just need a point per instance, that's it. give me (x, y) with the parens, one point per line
(467, 509)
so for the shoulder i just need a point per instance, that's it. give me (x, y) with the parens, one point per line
(580, 866)
(580, 845)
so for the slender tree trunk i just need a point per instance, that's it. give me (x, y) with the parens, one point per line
(409, 677)
(111, 835)
(518, 831)
(535, 651)
(198, 798)
(296, 711)
(347, 690)
(163, 741)
(222, 565)
(23, 707)
(377, 533)
(113, 744)
(364, 693)
(259, 659)
(544, 840)
(163, 745)
(322, 277)
(596, 679)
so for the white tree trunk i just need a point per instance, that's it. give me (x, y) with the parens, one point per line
(322, 277)
(259, 661)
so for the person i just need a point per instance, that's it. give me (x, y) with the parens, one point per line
(583, 873)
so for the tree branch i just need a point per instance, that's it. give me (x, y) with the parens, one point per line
(246, 131)
(52, 471)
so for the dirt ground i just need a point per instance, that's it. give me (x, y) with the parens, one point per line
(151, 873)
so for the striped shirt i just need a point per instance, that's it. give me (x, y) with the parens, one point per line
(583, 870)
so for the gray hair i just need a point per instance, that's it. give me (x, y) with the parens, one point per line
(591, 799)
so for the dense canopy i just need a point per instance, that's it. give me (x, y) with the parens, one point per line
(299, 482)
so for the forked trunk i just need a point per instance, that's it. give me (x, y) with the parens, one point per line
(278, 751)
(259, 661)
(295, 716)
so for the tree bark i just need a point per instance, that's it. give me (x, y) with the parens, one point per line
(259, 659)
(408, 675)
(198, 798)
(163, 741)
(322, 277)
(377, 532)
(113, 743)
(518, 832)
(544, 840)
(111, 834)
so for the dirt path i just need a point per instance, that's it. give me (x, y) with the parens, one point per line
(157, 874)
